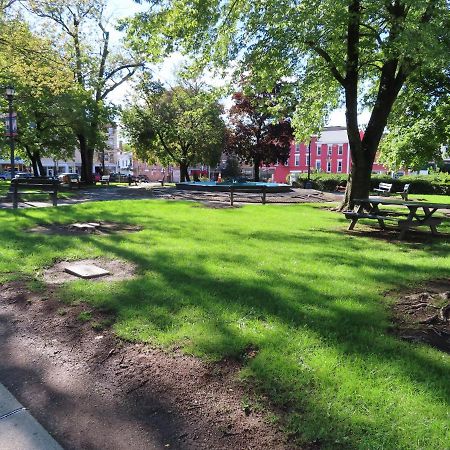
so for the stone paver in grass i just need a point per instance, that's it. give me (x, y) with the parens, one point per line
(86, 270)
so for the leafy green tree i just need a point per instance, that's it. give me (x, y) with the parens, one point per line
(181, 125)
(98, 69)
(232, 168)
(358, 52)
(44, 93)
(418, 125)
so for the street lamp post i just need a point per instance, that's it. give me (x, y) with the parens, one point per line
(9, 95)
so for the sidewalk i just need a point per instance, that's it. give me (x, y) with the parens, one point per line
(18, 428)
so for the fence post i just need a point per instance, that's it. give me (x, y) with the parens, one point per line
(264, 195)
(55, 194)
(15, 194)
(231, 196)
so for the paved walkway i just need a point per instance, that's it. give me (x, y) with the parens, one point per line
(19, 430)
(155, 191)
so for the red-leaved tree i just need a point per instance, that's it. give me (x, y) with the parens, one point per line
(257, 135)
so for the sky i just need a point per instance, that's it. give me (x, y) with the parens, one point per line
(120, 9)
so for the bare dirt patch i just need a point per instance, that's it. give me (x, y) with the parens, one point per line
(85, 228)
(92, 390)
(118, 271)
(423, 314)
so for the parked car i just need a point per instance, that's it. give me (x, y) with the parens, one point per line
(69, 178)
(22, 175)
(7, 175)
(142, 178)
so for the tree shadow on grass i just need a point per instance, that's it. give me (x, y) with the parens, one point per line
(291, 320)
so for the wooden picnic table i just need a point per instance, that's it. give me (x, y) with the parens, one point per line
(369, 208)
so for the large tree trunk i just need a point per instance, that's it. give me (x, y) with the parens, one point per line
(40, 165)
(184, 174)
(33, 161)
(87, 160)
(256, 164)
(36, 163)
(358, 184)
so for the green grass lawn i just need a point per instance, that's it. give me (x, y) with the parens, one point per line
(286, 280)
(430, 198)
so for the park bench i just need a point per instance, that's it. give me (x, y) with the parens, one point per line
(405, 192)
(248, 190)
(105, 179)
(33, 186)
(341, 187)
(384, 189)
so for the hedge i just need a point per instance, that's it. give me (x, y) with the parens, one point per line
(438, 183)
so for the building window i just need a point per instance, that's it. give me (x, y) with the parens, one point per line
(297, 148)
(297, 160)
(330, 149)
(339, 165)
(319, 150)
(287, 162)
(340, 149)
(318, 165)
(307, 160)
(328, 166)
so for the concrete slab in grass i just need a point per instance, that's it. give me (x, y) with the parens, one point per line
(85, 270)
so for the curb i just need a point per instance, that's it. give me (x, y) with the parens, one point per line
(19, 430)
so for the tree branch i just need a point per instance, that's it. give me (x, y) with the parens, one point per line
(325, 55)
(122, 67)
(118, 83)
(375, 32)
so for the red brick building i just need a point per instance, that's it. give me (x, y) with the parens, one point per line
(330, 153)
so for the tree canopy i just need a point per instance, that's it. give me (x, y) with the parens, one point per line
(356, 52)
(256, 135)
(97, 68)
(45, 94)
(180, 125)
(419, 126)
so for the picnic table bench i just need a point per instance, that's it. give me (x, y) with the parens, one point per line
(32, 186)
(369, 208)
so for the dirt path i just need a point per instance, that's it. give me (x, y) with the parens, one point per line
(92, 391)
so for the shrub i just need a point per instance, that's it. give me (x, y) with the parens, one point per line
(438, 183)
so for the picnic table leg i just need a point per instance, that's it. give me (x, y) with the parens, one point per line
(409, 219)
(376, 210)
(355, 219)
(428, 214)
